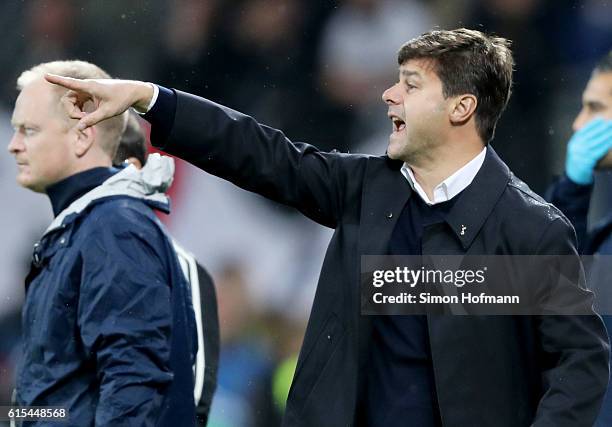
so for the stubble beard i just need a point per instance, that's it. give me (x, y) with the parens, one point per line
(419, 149)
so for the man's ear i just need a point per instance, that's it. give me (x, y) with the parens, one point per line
(462, 108)
(84, 140)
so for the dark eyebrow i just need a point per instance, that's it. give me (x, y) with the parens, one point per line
(594, 104)
(408, 73)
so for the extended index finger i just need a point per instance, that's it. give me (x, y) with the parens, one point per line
(67, 82)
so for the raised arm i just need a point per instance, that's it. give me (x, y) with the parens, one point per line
(230, 145)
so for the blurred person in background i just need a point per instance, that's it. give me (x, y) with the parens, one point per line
(357, 369)
(47, 31)
(106, 300)
(253, 55)
(188, 40)
(253, 66)
(132, 150)
(590, 149)
(532, 25)
(246, 360)
(288, 339)
(358, 38)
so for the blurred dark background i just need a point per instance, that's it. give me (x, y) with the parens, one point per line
(315, 69)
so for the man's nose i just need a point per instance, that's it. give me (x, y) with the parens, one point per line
(16, 144)
(581, 119)
(391, 96)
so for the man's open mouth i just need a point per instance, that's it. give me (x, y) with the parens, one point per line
(398, 124)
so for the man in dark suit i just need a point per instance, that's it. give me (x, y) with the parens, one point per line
(441, 189)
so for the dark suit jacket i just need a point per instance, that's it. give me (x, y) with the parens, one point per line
(574, 201)
(489, 371)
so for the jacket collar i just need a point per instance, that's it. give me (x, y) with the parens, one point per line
(385, 195)
(477, 201)
(147, 184)
(452, 185)
(66, 191)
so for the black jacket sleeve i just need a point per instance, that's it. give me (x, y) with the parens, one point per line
(255, 157)
(575, 351)
(573, 200)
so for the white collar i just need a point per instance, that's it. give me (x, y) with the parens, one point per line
(452, 185)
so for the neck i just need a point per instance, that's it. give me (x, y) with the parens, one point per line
(431, 171)
(91, 163)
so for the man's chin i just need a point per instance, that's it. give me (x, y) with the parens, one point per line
(397, 150)
(27, 183)
(394, 150)
(392, 155)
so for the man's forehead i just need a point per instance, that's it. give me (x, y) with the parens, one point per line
(418, 67)
(19, 115)
(599, 86)
(22, 116)
(37, 97)
(33, 93)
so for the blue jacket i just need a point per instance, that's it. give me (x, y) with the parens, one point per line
(108, 324)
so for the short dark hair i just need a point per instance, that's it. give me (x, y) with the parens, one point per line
(468, 61)
(605, 64)
(132, 144)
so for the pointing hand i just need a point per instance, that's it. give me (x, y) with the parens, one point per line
(109, 97)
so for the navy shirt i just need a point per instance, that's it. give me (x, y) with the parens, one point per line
(400, 382)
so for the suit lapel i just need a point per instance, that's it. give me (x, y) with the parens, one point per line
(476, 202)
(387, 191)
(385, 194)
(453, 338)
